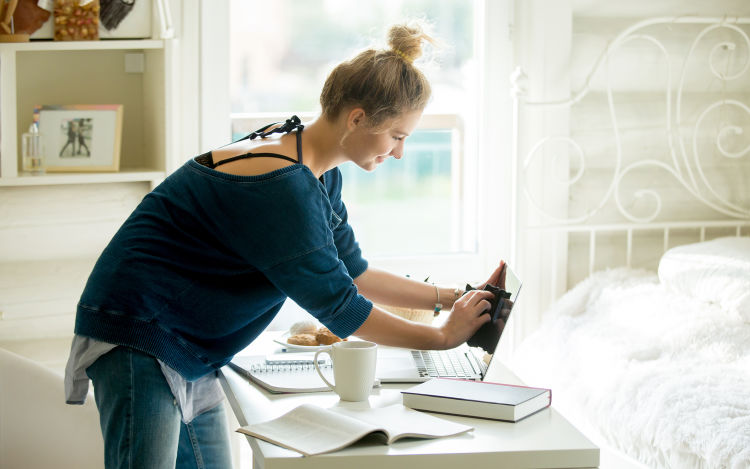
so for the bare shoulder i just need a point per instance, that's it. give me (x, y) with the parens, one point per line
(263, 155)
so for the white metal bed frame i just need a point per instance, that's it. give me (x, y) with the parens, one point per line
(686, 170)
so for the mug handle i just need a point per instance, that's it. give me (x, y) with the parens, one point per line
(317, 368)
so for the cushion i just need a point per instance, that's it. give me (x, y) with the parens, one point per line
(37, 427)
(717, 271)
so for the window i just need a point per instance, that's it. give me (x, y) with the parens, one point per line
(280, 55)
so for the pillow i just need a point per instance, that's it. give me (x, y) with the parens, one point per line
(717, 271)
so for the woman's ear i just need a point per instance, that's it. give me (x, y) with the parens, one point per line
(355, 118)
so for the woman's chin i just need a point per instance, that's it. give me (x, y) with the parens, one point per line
(369, 166)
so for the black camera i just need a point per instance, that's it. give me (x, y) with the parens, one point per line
(496, 302)
(487, 336)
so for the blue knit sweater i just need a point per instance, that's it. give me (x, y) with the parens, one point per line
(206, 260)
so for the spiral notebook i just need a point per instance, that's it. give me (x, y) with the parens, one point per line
(286, 373)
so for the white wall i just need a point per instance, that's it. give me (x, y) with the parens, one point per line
(49, 239)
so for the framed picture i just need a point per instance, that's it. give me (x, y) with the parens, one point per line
(81, 137)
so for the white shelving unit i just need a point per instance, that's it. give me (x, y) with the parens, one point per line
(86, 72)
(53, 226)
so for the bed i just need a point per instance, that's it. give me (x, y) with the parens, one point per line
(649, 365)
(639, 308)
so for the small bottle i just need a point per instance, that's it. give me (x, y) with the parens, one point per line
(32, 151)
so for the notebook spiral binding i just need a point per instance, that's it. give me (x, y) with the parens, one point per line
(287, 366)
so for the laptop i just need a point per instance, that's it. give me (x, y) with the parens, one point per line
(294, 372)
(468, 361)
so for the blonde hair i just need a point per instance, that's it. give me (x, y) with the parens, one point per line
(384, 83)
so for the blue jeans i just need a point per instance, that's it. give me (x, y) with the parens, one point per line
(141, 421)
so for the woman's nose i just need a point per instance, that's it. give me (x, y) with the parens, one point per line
(398, 150)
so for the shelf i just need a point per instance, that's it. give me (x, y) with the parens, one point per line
(86, 72)
(50, 179)
(102, 44)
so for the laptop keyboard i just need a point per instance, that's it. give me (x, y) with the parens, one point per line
(444, 364)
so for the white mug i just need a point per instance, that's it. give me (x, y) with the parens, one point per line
(353, 368)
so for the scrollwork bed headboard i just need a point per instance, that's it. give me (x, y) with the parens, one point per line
(652, 151)
(724, 108)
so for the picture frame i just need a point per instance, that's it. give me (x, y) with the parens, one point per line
(80, 137)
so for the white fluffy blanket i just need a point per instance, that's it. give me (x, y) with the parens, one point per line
(664, 378)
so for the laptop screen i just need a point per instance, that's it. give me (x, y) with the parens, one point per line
(488, 336)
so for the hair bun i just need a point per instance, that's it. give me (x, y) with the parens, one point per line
(406, 40)
(383, 82)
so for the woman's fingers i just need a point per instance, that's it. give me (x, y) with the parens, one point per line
(472, 297)
(498, 276)
(484, 306)
(467, 316)
(477, 300)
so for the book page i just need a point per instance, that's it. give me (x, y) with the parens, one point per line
(310, 430)
(398, 422)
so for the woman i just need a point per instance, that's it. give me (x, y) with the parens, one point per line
(72, 132)
(207, 259)
(82, 127)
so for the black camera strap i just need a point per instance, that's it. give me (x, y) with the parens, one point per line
(290, 125)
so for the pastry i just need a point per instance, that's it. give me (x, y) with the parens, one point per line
(302, 339)
(326, 337)
(303, 327)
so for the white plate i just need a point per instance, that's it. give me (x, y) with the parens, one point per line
(307, 348)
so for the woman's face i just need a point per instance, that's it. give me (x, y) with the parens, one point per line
(369, 147)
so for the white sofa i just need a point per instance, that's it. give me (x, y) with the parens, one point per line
(37, 428)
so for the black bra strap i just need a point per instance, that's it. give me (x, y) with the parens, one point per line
(291, 124)
(247, 155)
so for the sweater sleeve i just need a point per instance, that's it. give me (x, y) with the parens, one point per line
(319, 282)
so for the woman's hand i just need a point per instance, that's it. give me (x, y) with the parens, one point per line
(466, 318)
(384, 328)
(497, 278)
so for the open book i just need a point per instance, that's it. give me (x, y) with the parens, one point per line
(311, 430)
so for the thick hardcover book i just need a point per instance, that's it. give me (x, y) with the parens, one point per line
(312, 430)
(477, 399)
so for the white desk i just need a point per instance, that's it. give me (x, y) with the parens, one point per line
(543, 440)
